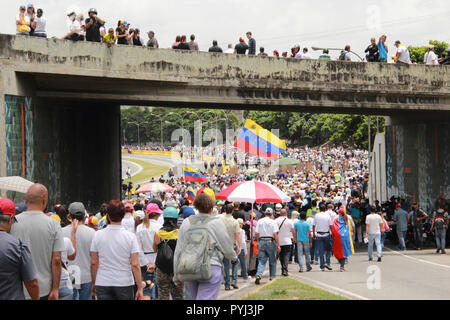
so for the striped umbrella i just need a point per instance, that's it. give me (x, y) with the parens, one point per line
(15, 183)
(253, 192)
(155, 187)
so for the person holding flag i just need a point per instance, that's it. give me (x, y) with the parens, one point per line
(191, 194)
(342, 243)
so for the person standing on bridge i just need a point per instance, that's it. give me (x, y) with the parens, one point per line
(93, 25)
(39, 24)
(382, 49)
(152, 42)
(215, 47)
(193, 45)
(251, 44)
(122, 32)
(23, 22)
(402, 55)
(241, 47)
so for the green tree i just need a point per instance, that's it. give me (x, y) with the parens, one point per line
(417, 53)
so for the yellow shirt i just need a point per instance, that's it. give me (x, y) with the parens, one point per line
(109, 39)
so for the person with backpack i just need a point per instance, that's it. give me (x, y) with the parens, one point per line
(417, 218)
(345, 54)
(203, 242)
(164, 245)
(440, 226)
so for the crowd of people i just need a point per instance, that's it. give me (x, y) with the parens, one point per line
(176, 246)
(93, 28)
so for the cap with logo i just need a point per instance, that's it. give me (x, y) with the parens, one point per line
(278, 206)
(92, 10)
(129, 206)
(269, 211)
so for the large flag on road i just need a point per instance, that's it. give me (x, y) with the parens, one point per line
(342, 239)
(256, 140)
(193, 175)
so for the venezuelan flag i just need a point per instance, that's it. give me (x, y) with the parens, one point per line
(191, 194)
(256, 140)
(193, 175)
(342, 242)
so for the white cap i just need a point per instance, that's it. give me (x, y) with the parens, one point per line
(140, 214)
(269, 211)
(278, 206)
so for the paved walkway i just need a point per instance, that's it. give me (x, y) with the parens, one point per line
(411, 274)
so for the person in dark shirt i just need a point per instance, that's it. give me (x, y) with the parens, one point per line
(261, 52)
(136, 37)
(241, 47)
(183, 44)
(93, 24)
(16, 264)
(239, 211)
(121, 32)
(251, 44)
(215, 47)
(372, 50)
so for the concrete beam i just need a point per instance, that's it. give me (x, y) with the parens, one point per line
(146, 76)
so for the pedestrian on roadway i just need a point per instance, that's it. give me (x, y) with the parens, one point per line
(374, 224)
(342, 244)
(267, 237)
(234, 232)
(417, 218)
(401, 219)
(44, 238)
(303, 239)
(322, 227)
(16, 263)
(285, 236)
(440, 227)
(82, 261)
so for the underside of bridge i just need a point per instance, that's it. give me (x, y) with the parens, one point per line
(60, 108)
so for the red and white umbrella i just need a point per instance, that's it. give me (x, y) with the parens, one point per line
(254, 192)
(155, 187)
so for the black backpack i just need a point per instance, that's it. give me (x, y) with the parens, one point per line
(439, 223)
(164, 257)
(342, 55)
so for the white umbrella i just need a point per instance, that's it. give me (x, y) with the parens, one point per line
(15, 183)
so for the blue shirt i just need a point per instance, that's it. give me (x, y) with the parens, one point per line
(402, 219)
(302, 228)
(355, 213)
(382, 50)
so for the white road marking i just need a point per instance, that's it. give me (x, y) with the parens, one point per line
(332, 289)
(130, 160)
(420, 260)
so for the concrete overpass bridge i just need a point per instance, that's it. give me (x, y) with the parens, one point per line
(60, 105)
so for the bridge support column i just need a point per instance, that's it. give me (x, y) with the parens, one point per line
(71, 147)
(418, 159)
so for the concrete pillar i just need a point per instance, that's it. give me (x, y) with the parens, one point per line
(418, 159)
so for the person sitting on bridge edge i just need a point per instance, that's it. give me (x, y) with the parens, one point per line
(74, 28)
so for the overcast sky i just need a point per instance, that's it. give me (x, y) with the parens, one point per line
(275, 24)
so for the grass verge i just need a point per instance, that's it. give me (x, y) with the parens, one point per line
(290, 289)
(149, 170)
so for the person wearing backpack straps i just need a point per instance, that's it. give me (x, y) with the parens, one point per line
(203, 242)
(440, 226)
(164, 245)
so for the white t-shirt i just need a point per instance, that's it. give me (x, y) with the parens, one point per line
(82, 260)
(243, 241)
(299, 55)
(75, 24)
(285, 232)
(69, 250)
(40, 24)
(404, 54)
(430, 57)
(26, 19)
(310, 221)
(322, 221)
(306, 56)
(128, 223)
(266, 227)
(374, 220)
(332, 214)
(114, 246)
(229, 50)
(145, 237)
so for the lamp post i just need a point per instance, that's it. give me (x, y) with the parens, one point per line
(138, 125)
(336, 49)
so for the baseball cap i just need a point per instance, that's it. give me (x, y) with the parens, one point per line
(93, 221)
(77, 208)
(129, 206)
(22, 8)
(30, 5)
(7, 207)
(171, 203)
(153, 207)
(278, 206)
(170, 212)
(92, 10)
(241, 39)
(126, 24)
(188, 211)
(240, 221)
(269, 211)
(140, 214)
